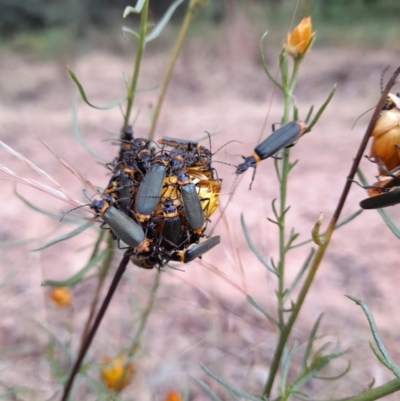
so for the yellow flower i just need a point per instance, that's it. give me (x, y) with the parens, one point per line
(62, 296)
(173, 396)
(298, 41)
(117, 374)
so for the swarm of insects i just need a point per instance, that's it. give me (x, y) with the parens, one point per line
(159, 200)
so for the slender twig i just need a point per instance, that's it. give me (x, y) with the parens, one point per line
(138, 59)
(174, 56)
(102, 275)
(114, 284)
(321, 250)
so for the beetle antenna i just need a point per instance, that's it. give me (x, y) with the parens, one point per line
(69, 211)
(233, 140)
(232, 192)
(228, 164)
(365, 112)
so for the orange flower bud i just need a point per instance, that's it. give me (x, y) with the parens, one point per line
(173, 396)
(386, 134)
(298, 42)
(117, 374)
(62, 296)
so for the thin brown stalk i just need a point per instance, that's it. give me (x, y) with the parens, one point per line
(114, 284)
(103, 274)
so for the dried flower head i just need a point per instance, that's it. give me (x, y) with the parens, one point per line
(62, 296)
(299, 41)
(173, 396)
(117, 373)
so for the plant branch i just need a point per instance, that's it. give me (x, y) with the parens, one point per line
(174, 56)
(139, 53)
(102, 275)
(114, 284)
(321, 250)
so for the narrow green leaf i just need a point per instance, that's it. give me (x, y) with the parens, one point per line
(295, 113)
(186, 394)
(278, 173)
(232, 394)
(299, 275)
(273, 207)
(292, 165)
(312, 373)
(56, 216)
(131, 31)
(374, 330)
(251, 245)
(388, 221)
(64, 237)
(264, 64)
(283, 66)
(78, 137)
(251, 301)
(136, 10)
(311, 339)
(210, 394)
(10, 244)
(321, 109)
(309, 115)
(163, 21)
(286, 360)
(370, 385)
(227, 385)
(79, 275)
(86, 100)
(272, 221)
(339, 376)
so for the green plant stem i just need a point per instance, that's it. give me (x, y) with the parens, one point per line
(295, 75)
(174, 56)
(285, 332)
(287, 92)
(375, 393)
(139, 53)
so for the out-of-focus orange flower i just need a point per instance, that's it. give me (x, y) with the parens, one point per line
(173, 396)
(62, 296)
(117, 374)
(299, 40)
(386, 134)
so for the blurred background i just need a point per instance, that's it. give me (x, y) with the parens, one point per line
(218, 86)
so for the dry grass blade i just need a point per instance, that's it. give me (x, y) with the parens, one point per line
(70, 168)
(28, 163)
(41, 187)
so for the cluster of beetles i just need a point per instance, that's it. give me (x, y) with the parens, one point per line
(161, 195)
(159, 200)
